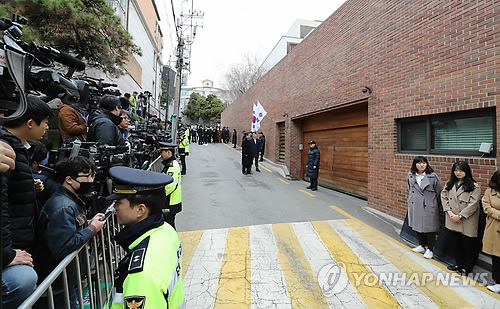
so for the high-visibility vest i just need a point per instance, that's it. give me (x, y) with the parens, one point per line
(174, 189)
(153, 273)
(184, 144)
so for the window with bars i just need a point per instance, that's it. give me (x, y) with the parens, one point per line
(459, 133)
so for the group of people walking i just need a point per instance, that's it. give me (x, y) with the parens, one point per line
(252, 147)
(459, 202)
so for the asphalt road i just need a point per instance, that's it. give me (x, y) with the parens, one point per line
(215, 194)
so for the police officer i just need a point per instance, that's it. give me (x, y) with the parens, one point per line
(150, 275)
(183, 147)
(173, 203)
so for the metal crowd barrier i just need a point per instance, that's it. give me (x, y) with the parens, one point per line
(101, 259)
(156, 165)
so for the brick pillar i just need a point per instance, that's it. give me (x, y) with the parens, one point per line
(293, 137)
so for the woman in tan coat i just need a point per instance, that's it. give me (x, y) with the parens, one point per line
(460, 200)
(491, 238)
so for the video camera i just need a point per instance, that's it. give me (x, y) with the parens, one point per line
(17, 58)
(98, 88)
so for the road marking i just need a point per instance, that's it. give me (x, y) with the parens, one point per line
(203, 275)
(269, 289)
(301, 281)
(232, 148)
(283, 181)
(444, 296)
(319, 257)
(233, 290)
(386, 262)
(467, 280)
(189, 242)
(260, 165)
(374, 296)
(306, 192)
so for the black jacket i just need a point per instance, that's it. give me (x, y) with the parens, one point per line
(103, 127)
(246, 153)
(313, 160)
(17, 202)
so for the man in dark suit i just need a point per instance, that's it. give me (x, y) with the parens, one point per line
(246, 154)
(255, 144)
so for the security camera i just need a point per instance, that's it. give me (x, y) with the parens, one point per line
(366, 89)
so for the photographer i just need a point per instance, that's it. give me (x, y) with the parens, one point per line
(18, 206)
(39, 153)
(63, 225)
(72, 122)
(104, 122)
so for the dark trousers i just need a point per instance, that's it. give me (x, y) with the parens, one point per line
(247, 169)
(262, 156)
(426, 240)
(495, 271)
(314, 183)
(183, 164)
(256, 162)
(463, 250)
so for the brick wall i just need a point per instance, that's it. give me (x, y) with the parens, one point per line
(419, 57)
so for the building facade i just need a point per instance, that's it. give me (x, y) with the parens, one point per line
(205, 90)
(143, 73)
(297, 32)
(378, 83)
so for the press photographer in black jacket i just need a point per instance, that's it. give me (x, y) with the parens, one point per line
(104, 122)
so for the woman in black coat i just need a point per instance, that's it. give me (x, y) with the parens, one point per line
(235, 138)
(247, 155)
(312, 165)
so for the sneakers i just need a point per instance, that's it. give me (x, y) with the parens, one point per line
(494, 288)
(428, 254)
(418, 249)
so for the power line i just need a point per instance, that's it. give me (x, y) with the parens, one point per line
(175, 20)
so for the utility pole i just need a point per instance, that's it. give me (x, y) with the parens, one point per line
(178, 81)
(186, 31)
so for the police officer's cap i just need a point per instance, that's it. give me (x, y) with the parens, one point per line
(130, 181)
(167, 146)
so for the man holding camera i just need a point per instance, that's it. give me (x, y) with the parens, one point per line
(104, 122)
(63, 226)
(150, 275)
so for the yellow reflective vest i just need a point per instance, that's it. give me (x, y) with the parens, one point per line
(184, 144)
(173, 190)
(150, 275)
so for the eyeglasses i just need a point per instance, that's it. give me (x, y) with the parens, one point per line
(89, 177)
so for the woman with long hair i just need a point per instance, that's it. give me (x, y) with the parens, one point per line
(424, 189)
(460, 199)
(491, 238)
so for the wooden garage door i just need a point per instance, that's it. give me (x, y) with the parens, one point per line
(342, 138)
(281, 138)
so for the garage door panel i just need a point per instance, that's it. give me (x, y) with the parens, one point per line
(344, 150)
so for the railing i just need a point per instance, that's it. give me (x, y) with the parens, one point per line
(100, 252)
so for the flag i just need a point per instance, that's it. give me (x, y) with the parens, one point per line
(254, 118)
(258, 114)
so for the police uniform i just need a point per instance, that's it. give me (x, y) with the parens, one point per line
(173, 191)
(150, 275)
(183, 147)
